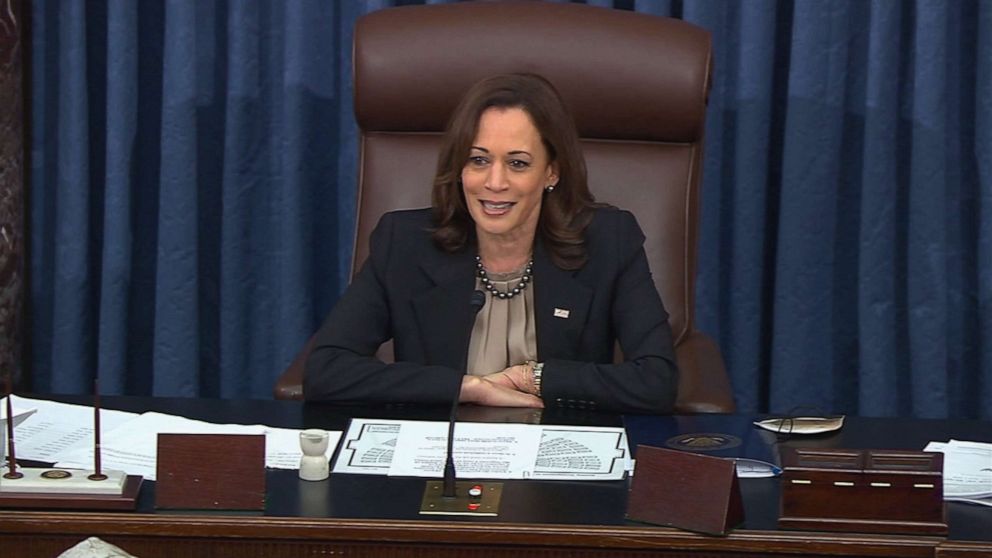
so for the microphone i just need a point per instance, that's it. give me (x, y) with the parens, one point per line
(477, 301)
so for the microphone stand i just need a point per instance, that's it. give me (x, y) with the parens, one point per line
(477, 302)
(445, 498)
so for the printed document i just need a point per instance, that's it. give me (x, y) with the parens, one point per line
(967, 470)
(59, 427)
(484, 450)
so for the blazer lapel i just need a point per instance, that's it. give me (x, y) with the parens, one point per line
(443, 312)
(561, 305)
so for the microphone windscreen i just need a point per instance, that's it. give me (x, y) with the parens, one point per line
(478, 300)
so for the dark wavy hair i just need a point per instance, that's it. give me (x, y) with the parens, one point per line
(565, 212)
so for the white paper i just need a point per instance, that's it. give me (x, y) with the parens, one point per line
(133, 447)
(368, 447)
(484, 450)
(60, 427)
(480, 451)
(19, 414)
(62, 433)
(571, 452)
(755, 469)
(967, 470)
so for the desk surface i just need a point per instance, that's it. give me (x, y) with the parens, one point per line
(377, 516)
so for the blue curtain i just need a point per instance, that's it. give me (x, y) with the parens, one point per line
(192, 196)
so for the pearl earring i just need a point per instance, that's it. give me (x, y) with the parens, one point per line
(549, 188)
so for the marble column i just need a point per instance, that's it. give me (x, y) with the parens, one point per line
(12, 127)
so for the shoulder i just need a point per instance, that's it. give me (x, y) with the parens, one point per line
(404, 224)
(612, 239)
(403, 232)
(407, 219)
(610, 225)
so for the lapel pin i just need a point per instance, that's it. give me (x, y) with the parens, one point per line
(561, 313)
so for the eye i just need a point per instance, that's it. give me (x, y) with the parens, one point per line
(477, 161)
(518, 164)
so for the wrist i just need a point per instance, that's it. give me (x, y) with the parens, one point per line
(536, 375)
(470, 389)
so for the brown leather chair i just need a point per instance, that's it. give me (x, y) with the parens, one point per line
(637, 85)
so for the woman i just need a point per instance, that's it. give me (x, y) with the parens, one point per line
(563, 278)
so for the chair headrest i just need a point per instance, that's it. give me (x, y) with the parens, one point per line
(624, 75)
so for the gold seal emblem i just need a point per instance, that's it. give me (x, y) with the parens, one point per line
(56, 474)
(704, 441)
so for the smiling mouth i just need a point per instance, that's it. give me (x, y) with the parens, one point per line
(496, 208)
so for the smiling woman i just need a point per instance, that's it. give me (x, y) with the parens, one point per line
(514, 227)
(503, 181)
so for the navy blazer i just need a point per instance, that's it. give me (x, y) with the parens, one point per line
(418, 295)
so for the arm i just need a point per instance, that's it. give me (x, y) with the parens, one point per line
(342, 367)
(479, 390)
(647, 380)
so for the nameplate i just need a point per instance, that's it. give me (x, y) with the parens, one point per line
(685, 490)
(210, 472)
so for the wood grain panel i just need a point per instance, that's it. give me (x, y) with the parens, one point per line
(147, 535)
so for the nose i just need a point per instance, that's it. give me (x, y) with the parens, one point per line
(496, 180)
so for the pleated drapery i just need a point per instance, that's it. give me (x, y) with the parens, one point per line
(193, 171)
(188, 199)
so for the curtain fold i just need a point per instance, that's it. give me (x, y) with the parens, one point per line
(73, 197)
(978, 324)
(116, 263)
(193, 187)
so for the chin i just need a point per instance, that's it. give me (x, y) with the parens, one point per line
(491, 230)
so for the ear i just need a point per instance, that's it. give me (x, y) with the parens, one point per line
(553, 173)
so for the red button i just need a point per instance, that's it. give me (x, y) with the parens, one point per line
(475, 491)
(474, 506)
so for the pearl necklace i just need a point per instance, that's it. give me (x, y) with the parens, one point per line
(488, 284)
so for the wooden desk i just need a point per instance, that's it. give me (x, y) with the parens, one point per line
(152, 535)
(357, 516)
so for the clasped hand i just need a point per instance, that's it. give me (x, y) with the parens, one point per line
(512, 387)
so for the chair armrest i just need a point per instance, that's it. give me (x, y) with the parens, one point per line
(290, 382)
(703, 383)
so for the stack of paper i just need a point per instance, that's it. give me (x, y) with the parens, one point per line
(62, 433)
(967, 471)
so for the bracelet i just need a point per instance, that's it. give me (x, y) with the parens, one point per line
(536, 372)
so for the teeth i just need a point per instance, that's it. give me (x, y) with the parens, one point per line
(501, 205)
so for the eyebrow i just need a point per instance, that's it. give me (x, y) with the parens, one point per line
(515, 152)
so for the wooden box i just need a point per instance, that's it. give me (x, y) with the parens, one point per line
(871, 491)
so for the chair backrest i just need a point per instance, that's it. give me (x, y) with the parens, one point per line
(636, 84)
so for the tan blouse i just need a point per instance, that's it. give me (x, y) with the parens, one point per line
(504, 333)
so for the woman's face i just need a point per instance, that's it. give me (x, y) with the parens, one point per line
(505, 176)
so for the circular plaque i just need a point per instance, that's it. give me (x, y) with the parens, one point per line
(704, 441)
(56, 474)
